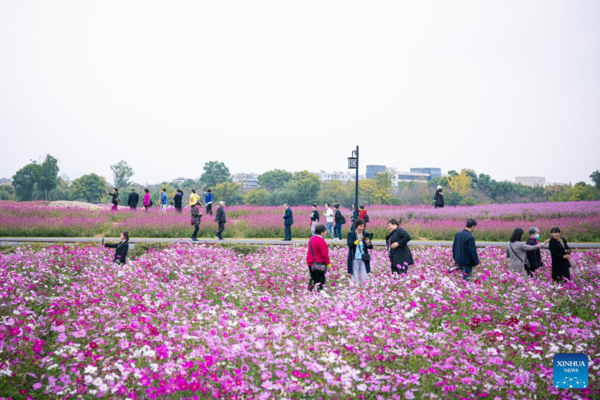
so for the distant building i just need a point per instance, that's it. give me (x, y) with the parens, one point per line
(533, 181)
(246, 181)
(336, 176)
(433, 173)
(408, 177)
(5, 181)
(373, 170)
(180, 180)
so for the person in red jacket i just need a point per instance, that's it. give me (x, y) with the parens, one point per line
(318, 258)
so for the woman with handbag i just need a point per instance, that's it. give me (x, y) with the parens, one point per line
(318, 258)
(516, 252)
(397, 246)
(561, 253)
(359, 260)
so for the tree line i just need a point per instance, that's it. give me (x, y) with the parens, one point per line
(41, 181)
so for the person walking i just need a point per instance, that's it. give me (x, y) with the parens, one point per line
(194, 198)
(121, 248)
(114, 199)
(314, 219)
(220, 219)
(178, 201)
(147, 201)
(516, 252)
(359, 259)
(318, 258)
(362, 214)
(438, 199)
(464, 250)
(163, 200)
(196, 211)
(560, 253)
(329, 219)
(397, 247)
(339, 221)
(534, 256)
(208, 200)
(288, 221)
(133, 199)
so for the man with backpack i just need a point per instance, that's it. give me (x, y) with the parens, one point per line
(339, 221)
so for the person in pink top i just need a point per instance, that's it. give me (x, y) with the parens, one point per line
(318, 258)
(147, 202)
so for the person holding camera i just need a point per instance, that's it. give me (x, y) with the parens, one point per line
(121, 248)
(359, 259)
(397, 246)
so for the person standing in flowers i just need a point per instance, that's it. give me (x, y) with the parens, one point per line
(178, 201)
(208, 199)
(147, 201)
(196, 218)
(288, 221)
(133, 199)
(121, 248)
(359, 260)
(438, 199)
(114, 199)
(464, 250)
(534, 256)
(561, 253)
(318, 258)
(516, 252)
(397, 247)
(328, 219)
(194, 198)
(163, 200)
(314, 219)
(220, 219)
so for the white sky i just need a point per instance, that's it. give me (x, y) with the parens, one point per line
(505, 87)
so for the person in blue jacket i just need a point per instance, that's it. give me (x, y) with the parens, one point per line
(464, 250)
(163, 200)
(208, 199)
(288, 221)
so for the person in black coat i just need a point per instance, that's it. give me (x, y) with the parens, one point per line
(288, 221)
(178, 201)
(397, 247)
(438, 199)
(133, 199)
(464, 250)
(534, 256)
(359, 265)
(121, 248)
(114, 199)
(220, 219)
(560, 252)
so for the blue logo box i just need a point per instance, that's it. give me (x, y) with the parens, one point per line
(571, 371)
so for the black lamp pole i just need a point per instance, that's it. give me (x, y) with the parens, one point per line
(353, 164)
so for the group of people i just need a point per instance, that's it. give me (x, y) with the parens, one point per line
(133, 200)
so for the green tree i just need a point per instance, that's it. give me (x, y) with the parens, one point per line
(24, 181)
(7, 192)
(595, 177)
(334, 190)
(215, 172)
(256, 197)
(377, 190)
(460, 183)
(47, 178)
(228, 192)
(274, 180)
(452, 173)
(304, 188)
(91, 188)
(122, 174)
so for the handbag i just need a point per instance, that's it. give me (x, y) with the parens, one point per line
(526, 263)
(316, 266)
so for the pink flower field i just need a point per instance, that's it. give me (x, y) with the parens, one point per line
(199, 322)
(579, 221)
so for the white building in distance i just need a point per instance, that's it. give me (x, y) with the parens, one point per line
(340, 176)
(533, 181)
(246, 180)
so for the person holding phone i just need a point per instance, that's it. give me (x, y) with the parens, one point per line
(359, 259)
(397, 246)
(121, 248)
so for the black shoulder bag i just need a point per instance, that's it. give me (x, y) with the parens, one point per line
(316, 266)
(526, 263)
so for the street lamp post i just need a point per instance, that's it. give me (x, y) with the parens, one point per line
(353, 164)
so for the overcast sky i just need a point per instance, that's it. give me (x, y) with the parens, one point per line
(508, 88)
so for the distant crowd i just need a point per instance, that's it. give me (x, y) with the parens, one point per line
(524, 257)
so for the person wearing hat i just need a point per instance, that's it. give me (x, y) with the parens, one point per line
(220, 219)
(438, 199)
